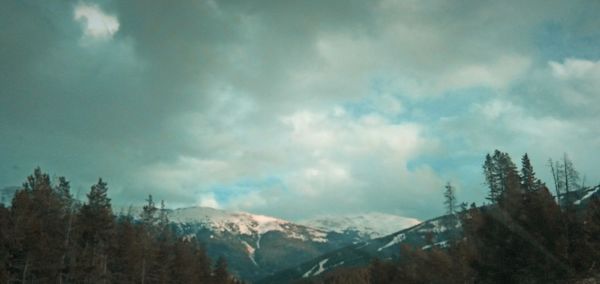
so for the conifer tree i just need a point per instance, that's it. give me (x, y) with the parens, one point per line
(220, 274)
(592, 227)
(491, 179)
(5, 239)
(36, 245)
(96, 227)
(500, 174)
(449, 199)
(149, 210)
(528, 179)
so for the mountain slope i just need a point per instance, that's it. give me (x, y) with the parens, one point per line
(368, 226)
(255, 245)
(434, 232)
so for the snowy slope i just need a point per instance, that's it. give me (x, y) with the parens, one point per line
(587, 194)
(258, 246)
(425, 235)
(369, 226)
(255, 246)
(242, 223)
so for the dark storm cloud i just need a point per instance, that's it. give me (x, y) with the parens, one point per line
(254, 105)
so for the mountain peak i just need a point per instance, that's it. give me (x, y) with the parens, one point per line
(243, 223)
(368, 225)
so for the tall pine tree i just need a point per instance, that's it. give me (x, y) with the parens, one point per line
(450, 198)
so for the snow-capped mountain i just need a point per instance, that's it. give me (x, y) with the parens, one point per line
(433, 232)
(256, 246)
(367, 226)
(244, 224)
(436, 232)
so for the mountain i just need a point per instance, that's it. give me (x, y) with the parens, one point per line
(434, 232)
(367, 226)
(256, 246)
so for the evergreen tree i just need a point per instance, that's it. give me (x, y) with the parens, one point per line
(500, 175)
(449, 199)
(37, 246)
(95, 225)
(5, 239)
(148, 214)
(63, 190)
(571, 176)
(592, 229)
(491, 178)
(528, 180)
(381, 272)
(220, 274)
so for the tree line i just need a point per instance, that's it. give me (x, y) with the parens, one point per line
(48, 236)
(523, 235)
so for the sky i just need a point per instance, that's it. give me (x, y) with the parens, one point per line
(296, 108)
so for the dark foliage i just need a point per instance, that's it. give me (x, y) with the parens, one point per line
(48, 237)
(523, 236)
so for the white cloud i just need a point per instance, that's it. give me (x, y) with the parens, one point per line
(97, 23)
(208, 200)
(249, 92)
(574, 68)
(578, 82)
(317, 157)
(498, 75)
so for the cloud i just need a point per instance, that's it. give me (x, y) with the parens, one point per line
(97, 23)
(579, 81)
(208, 200)
(573, 68)
(259, 105)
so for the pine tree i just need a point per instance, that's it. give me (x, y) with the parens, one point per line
(148, 214)
(163, 218)
(571, 176)
(592, 228)
(381, 272)
(63, 190)
(528, 179)
(491, 179)
(449, 199)
(95, 236)
(5, 239)
(220, 274)
(36, 245)
(98, 200)
(500, 175)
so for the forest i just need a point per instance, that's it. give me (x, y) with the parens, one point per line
(524, 234)
(47, 236)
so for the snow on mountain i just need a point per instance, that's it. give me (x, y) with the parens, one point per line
(316, 270)
(255, 246)
(397, 239)
(588, 193)
(425, 235)
(370, 225)
(242, 223)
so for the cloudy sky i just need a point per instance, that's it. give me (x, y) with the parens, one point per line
(295, 108)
